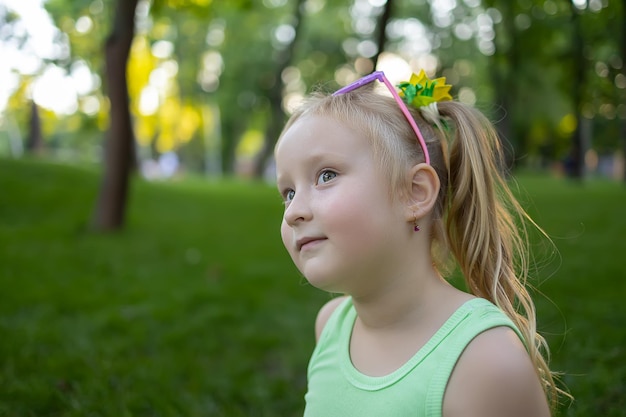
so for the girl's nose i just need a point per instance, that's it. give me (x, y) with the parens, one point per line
(298, 210)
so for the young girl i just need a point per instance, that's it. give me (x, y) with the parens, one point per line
(377, 196)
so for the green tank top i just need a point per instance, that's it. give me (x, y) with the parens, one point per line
(337, 389)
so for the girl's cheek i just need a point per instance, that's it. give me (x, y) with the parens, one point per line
(285, 234)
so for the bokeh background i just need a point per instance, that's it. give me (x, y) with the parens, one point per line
(141, 268)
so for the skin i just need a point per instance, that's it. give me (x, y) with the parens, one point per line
(347, 235)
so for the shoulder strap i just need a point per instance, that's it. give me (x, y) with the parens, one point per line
(481, 316)
(331, 328)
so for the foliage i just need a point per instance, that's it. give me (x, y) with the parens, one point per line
(211, 64)
(196, 309)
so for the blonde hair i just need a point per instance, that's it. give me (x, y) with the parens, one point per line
(476, 218)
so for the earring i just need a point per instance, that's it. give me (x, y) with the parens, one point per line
(416, 226)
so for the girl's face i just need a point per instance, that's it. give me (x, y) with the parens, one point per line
(340, 225)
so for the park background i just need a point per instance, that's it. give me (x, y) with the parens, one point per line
(141, 268)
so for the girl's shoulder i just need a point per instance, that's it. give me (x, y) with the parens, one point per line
(324, 314)
(494, 377)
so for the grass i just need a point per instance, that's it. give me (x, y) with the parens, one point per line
(195, 309)
(583, 312)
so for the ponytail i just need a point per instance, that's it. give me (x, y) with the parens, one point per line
(485, 229)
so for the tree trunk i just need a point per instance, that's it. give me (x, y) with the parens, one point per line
(503, 65)
(623, 91)
(34, 142)
(119, 146)
(232, 128)
(575, 166)
(382, 32)
(275, 96)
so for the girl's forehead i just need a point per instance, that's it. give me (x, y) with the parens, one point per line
(305, 128)
(322, 124)
(315, 135)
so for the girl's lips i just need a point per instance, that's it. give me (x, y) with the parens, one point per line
(305, 242)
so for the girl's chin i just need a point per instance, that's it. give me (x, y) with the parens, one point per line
(326, 284)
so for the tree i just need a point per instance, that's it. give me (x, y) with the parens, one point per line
(576, 160)
(34, 142)
(234, 68)
(381, 38)
(111, 205)
(275, 94)
(622, 94)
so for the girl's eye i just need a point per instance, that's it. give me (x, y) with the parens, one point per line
(326, 176)
(289, 195)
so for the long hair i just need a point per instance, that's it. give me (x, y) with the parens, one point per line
(477, 220)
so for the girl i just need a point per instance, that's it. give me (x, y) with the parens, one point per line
(375, 201)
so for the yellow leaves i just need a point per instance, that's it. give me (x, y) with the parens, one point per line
(145, 130)
(168, 116)
(185, 3)
(189, 123)
(163, 28)
(178, 124)
(173, 125)
(169, 123)
(567, 125)
(141, 63)
(250, 144)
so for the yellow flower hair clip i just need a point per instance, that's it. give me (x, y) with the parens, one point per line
(421, 91)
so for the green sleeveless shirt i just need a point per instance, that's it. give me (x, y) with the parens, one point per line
(337, 389)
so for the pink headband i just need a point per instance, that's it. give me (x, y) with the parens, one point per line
(380, 76)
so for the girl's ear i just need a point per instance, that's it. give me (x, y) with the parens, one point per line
(423, 191)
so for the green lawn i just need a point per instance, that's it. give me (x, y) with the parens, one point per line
(196, 310)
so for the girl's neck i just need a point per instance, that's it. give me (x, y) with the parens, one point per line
(392, 326)
(407, 302)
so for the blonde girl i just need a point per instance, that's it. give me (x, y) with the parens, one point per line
(381, 199)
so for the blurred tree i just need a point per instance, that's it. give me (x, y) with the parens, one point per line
(595, 85)
(34, 141)
(575, 162)
(205, 75)
(248, 61)
(12, 34)
(528, 45)
(621, 85)
(119, 149)
(327, 44)
(505, 63)
(275, 92)
(119, 146)
(381, 31)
